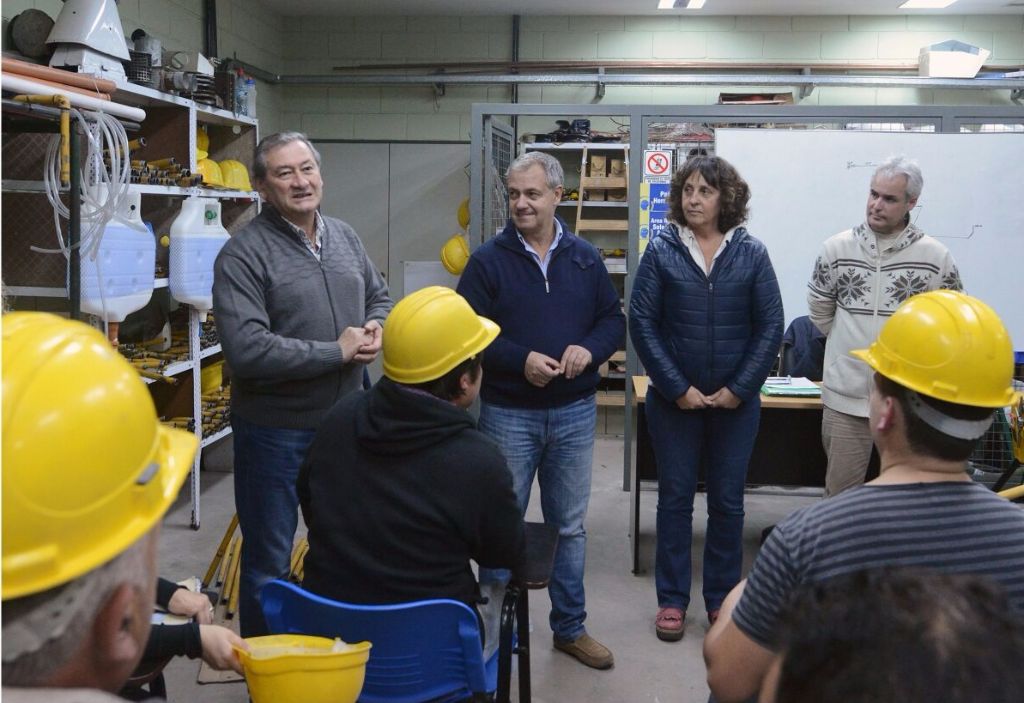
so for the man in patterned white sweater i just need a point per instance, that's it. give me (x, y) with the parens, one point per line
(942, 362)
(860, 277)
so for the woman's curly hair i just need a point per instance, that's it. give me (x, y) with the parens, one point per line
(719, 174)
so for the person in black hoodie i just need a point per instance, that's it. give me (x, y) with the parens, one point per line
(399, 489)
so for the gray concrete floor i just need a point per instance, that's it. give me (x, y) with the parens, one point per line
(620, 605)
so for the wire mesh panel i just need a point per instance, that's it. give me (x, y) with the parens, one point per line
(993, 462)
(498, 158)
(24, 156)
(27, 222)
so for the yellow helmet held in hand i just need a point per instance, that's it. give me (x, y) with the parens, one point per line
(211, 173)
(87, 468)
(236, 175)
(946, 345)
(455, 254)
(430, 332)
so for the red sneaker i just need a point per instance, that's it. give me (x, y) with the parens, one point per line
(669, 624)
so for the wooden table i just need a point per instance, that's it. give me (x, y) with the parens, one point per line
(768, 402)
(787, 451)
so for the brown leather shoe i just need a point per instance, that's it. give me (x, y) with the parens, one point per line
(588, 650)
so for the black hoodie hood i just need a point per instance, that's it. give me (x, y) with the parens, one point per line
(393, 420)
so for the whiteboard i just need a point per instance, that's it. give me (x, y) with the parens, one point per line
(808, 185)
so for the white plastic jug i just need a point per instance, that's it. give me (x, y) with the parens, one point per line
(196, 238)
(119, 279)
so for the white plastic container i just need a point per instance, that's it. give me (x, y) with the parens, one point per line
(196, 238)
(120, 279)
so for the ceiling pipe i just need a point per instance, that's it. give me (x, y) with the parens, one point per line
(652, 79)
(625, 66)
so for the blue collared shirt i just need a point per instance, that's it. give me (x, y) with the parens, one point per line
(543, 263)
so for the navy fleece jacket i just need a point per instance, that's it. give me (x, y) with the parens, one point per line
(693, 330)
(575, 304)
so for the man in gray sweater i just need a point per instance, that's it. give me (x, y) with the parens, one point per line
(299, 307)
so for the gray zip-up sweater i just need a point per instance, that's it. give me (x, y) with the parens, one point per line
(280, 312)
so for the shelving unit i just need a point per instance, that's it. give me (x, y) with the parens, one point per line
(38, 281)
(603, 222)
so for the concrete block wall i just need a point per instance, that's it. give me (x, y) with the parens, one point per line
(416, 113)
(389, 113)
(246, 30)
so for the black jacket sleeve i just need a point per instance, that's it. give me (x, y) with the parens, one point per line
(173, 641)
(164, 591)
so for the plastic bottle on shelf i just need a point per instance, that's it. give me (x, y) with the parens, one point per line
(250, 97)
(119, 279)
(196, 238)
(241, 100)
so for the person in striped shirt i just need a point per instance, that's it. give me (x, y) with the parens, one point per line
(942, 363)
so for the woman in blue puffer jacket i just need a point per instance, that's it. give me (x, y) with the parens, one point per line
(706, 320)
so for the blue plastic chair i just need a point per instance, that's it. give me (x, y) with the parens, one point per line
(427, 650)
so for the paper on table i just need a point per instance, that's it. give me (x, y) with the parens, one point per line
(797, 385)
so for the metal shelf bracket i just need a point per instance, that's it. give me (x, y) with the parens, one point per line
(807, 88)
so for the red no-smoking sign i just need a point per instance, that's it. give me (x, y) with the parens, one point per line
(657, 162)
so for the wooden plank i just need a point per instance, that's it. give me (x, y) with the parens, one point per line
(603, 182)
(610, 399)
(602, 225)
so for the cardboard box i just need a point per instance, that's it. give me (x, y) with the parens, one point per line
(596, 194)
(951, 59)
(598, 165)
(617, 168)
(617, 194)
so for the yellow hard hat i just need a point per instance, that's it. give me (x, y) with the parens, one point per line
(303, 669)
(202, 140)
(946, 345)
(464, 213)
(430, 332)
(211, 172)
(455, 254)
(87, 468)
(236, 175)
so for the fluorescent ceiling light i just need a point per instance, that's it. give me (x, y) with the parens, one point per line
(926, 4)
(682, 4)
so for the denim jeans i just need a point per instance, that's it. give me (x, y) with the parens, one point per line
(556, 445)
(267, 461)
(682, 439)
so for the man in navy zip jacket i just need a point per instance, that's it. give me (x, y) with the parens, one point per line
(560, 319)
